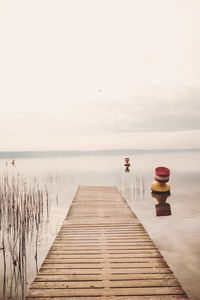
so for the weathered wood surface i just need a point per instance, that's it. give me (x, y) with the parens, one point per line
(102, 252)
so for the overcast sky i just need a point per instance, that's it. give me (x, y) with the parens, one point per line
(99, 74)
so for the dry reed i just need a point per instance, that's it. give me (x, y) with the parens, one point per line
(22, 207)
(131, 186)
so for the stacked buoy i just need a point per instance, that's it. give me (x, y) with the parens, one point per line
(161, 178)
(161, 191)
(127, 163)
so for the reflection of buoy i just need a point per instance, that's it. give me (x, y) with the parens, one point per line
(160, 197)
(162, 208)
(127, 169)
(13, 162)
(161, 178)
(127, 163)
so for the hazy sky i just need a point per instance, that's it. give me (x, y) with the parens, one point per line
(99, 74)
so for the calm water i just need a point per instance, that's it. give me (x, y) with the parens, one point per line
(176, 235)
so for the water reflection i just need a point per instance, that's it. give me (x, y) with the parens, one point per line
(162, 208)
(127, 169)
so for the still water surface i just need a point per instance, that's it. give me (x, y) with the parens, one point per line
(176, 234)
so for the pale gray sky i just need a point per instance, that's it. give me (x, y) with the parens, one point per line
(99, 74)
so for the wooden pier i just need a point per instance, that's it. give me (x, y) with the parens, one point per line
(102, 251)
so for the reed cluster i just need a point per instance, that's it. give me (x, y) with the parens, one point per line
(131, 186)
(22, 208)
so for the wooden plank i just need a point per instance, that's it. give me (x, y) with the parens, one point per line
(68, 278)
(110, 277)
(138, 246)
(66, 259)
(100, 284)
(86, 256)
(145, 283)
(113, 236)
(70, 271)
(155, 297)
(75, 271)
(65, 239)
(105, 292)
(75, 253)
(140, 276)
(67, 285)
(103, 252)
(99, 265)
(98, 234)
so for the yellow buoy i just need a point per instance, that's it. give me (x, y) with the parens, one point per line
(160, 187)
(127, 165)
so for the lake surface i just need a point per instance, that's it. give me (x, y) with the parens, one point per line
(176, 234)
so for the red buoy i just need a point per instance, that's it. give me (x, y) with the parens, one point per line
(162, 174)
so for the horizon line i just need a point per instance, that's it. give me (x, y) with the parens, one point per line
(6, 154)
(100, 150)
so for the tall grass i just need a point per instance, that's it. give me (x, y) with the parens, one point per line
(23, 206)
(131, 186)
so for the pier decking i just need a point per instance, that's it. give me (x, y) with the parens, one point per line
(103, 252)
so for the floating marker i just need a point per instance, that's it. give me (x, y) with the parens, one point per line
(162, 174)
(161, 178)
(127, 163)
